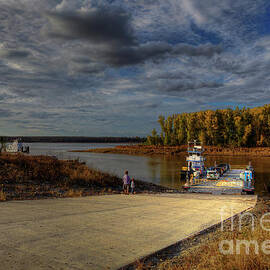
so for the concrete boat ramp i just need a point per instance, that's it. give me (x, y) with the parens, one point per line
(104, 232)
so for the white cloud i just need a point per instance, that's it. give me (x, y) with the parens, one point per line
(189, 8)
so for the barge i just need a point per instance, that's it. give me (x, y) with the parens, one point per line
(218, 179)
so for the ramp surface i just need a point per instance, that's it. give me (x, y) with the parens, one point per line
(104, 232)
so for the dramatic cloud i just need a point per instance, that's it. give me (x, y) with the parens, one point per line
(152, 51)
(112, 41)
(13, 54)
(102, 25)
(102, 67)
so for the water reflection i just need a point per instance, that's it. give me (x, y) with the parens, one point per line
(162, 170)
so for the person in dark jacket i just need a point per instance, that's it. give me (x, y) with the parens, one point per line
(126, 183)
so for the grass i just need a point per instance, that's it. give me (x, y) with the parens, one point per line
(208, 255)
(3, 196)
(205, 253)
(33, 177)
(48, 170)
(74, 193)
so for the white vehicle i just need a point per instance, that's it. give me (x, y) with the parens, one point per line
(13, 147)
(212, 174)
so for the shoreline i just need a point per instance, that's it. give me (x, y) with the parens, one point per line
(180, 150)
(75, 179)
(40, 177)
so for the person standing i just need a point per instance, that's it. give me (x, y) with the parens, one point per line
(132, 186)
(126, 182)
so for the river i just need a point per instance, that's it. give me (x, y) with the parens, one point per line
(161, 170)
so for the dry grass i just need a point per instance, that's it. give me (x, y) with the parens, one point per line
(3, 196)
(34, 177)
(29, 177)
(206, 254)
(74, 193)
(21, 169)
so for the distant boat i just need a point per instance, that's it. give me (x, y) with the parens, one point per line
(16, 147)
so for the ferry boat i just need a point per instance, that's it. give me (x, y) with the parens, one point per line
(219, 179)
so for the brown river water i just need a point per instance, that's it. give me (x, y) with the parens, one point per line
(161, 170)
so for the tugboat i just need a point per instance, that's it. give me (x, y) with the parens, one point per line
(219, 179)
(195, 162)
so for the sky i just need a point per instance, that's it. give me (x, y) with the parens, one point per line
(111, 67)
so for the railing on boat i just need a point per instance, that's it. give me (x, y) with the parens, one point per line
(238, 167)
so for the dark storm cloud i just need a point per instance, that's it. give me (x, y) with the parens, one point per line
(97, 26)
(154, 51)
(118, 56)
(13, 54)
(107, 70)
(124, 56)
(117, 46)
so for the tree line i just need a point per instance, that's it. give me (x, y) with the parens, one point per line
(72, 139)
(227, 127)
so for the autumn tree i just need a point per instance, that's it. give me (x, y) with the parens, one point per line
(227, 127)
